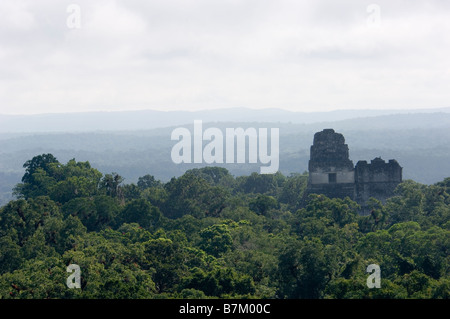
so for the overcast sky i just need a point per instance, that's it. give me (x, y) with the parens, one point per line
(71, 56)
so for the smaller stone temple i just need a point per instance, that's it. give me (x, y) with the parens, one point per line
(333, 174)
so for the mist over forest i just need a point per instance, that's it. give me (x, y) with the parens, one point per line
(132, 144)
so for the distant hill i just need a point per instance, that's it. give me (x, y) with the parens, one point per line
(149, 119)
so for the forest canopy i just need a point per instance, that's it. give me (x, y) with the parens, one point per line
(208, 234)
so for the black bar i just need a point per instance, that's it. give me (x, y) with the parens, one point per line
(224, 308)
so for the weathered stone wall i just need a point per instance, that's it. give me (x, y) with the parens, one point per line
(377, 179)
(323, 177)
(333, 174)
(329, 152)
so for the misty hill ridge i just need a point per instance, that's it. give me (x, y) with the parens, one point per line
(150, 119)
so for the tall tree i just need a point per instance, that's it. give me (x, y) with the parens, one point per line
(43, 161)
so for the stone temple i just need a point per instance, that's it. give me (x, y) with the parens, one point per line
(333, 174)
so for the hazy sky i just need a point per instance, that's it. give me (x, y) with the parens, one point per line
(67, 56)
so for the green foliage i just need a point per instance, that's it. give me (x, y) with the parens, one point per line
(216, 239)
(220, 282)
(95, 213)
(262, 204)
(207, 234)
(191, 194)
(45, 176)
(43, 162)
(260, 183)
(303, 270)
(141, 212)
(293, 189)
(110, 185)
(217, 176)
(148, 181)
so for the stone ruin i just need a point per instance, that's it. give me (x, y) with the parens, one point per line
(333, 174)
